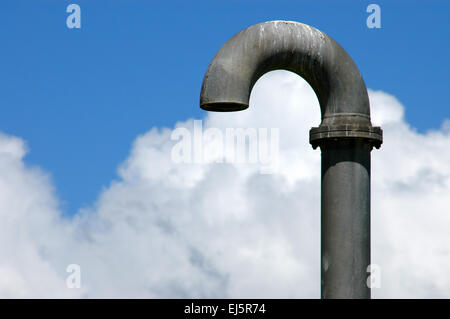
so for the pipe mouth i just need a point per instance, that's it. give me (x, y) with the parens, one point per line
(224, 106)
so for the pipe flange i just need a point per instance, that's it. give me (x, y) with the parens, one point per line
(371, 134)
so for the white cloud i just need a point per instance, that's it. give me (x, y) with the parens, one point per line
(224, 230)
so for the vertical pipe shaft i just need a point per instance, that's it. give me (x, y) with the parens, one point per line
(345, 205)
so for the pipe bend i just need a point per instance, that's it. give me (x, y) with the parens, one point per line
(291, 46)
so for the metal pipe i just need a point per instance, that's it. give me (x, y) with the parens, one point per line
(345, 135)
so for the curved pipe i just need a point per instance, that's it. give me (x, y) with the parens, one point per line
(291, 46)
(345, 135)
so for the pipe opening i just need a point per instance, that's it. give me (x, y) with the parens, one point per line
(224, 106)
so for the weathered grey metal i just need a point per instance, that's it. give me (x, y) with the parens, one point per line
(345, 135)
(345, 218)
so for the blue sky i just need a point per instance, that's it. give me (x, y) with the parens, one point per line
(80, 97)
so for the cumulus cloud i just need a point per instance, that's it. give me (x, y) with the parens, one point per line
(171, 230)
